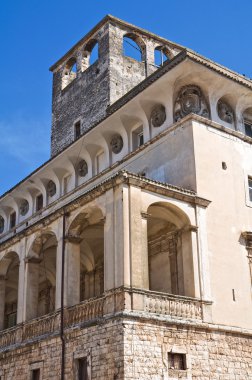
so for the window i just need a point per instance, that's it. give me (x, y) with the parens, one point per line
(132, 47)
(160, 55)
(248, 128)
(176, 361)
(39, 202)
(90, 54)
(250, 188)
(35, 374)
(69, 72)
(77, 130)
(12, 220)
(137, 138)
(82, 369)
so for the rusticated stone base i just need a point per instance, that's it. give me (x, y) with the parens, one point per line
(126, 348)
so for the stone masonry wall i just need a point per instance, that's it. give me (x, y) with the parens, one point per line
(127, 349)
(103, 343)
(214, 355)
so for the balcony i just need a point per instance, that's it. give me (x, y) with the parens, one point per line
(142, 302)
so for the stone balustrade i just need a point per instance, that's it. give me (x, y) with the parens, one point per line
(115, 301)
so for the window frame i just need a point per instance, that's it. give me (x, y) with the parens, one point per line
(250, 188)
(173, 358)
(77, 358)
(248, 125)
(35, 366)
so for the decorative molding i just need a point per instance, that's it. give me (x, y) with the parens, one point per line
(51, 188)
(82, 168)
(225, 112)
(116, 143)
(158, 116)
(190, 99)
(24, 207)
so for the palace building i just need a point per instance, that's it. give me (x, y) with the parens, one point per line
(128, 254)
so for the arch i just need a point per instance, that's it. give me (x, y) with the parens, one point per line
(161, 55)
(90, 54)
(134, 47)
(88, 227)
(70, 72)
(9, 278)
(170, 260)
(41, 275)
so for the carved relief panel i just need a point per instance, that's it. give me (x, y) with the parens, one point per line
(190, 100)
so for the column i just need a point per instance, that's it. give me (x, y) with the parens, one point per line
(72, 271)
(31, 288)
(138, 241)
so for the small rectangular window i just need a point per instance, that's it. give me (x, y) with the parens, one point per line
(177, 361)
(137, 138)
(35, 374)
(12, 220)
(39, 202)
(250, 188)
(248, 128)
(77, 130)
(83, 369)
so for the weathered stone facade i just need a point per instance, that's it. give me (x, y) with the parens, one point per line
(127, 256)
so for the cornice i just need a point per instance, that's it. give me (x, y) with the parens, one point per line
(119, 178)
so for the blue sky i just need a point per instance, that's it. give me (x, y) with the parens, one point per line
(35, 33)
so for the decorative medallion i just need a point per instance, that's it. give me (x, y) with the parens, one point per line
(158, 116)
(51, 188)
(190, 100)
(82, 168)
(1, 224)
(116, 144)
(24, 207)
(225, 112)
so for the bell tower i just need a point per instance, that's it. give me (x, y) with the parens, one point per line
(96, 72)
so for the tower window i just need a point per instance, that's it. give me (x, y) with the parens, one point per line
(82, 369)
(161, 55)
(12, 220)
(77, 130)
(250, 188)
(132, 47)
(176, 361)
(69, 73)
